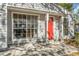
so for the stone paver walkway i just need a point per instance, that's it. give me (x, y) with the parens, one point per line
(40, 50)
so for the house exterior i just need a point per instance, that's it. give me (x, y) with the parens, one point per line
(26, 22)
(76, 22)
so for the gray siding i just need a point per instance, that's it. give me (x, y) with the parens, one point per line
(9, 27)
(3, 28)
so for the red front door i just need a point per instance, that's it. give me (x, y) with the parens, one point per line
(51, 28)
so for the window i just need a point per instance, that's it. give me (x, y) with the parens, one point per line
(19, 24)
(24, 26)
(31, 28)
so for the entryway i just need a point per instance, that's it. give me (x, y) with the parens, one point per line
(54, 29)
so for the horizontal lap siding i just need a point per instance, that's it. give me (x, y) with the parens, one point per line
(41, 28)
(3, 29)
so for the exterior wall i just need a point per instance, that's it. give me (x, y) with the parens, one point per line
(76, 27)
(41, 28)
(3, 27)
(70, 26)
(42, 22)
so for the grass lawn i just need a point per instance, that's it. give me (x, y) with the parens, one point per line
(74, 54)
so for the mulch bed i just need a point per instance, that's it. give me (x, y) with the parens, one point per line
(74, 54)
(71, 42)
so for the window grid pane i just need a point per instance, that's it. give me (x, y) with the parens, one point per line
(24, 26)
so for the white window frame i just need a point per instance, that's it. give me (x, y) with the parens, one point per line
(38, 18)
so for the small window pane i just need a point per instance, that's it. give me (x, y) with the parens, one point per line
(20, 16)
(14, 16)
(24, 16)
